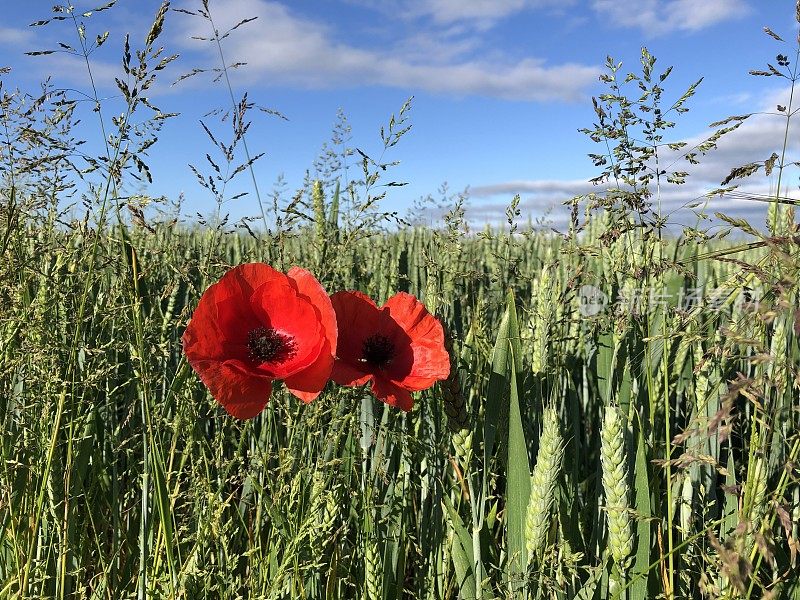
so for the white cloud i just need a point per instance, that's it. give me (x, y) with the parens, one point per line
(21, 38)
(479, 14)
(678, 203)
(444, 45)
(66, 67)
(755, 140)
(282, 48)
(658, 17)
(71, 69)
(540, 187)
(485, 11)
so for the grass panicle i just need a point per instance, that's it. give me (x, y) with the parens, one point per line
(668, 356)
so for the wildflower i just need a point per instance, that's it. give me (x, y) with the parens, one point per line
(257, 325)
(398, 347)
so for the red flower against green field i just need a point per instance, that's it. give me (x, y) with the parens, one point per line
(257, 325)
(398, 347)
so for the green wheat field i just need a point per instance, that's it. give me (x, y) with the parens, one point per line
(620, 421)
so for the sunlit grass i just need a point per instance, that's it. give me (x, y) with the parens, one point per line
(621, 418)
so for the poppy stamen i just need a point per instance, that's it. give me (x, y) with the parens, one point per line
(267, 345)
(378, 351)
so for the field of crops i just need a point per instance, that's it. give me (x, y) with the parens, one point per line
(620, 419)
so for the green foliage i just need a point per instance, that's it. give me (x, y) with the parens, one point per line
(665, 435)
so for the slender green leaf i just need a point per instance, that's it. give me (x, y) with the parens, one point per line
(642, 491)
(463, 557)
(517, 492)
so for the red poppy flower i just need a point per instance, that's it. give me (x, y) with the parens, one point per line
(257, 325)
(399, 347)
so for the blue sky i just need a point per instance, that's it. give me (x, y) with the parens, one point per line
(500, 87)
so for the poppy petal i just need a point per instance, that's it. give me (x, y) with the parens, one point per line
(346, 374)
(392, 394)
(310, 288)
(308, 383)
(202, 342)
(242, 395)
(204, 338)
(357, 317)
(299, 349)
(248, 277)
(431, 361)
(280, 308)
(236, 319)
(221, 314)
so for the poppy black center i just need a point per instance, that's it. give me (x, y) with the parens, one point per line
(267, 345)
(378, 351)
